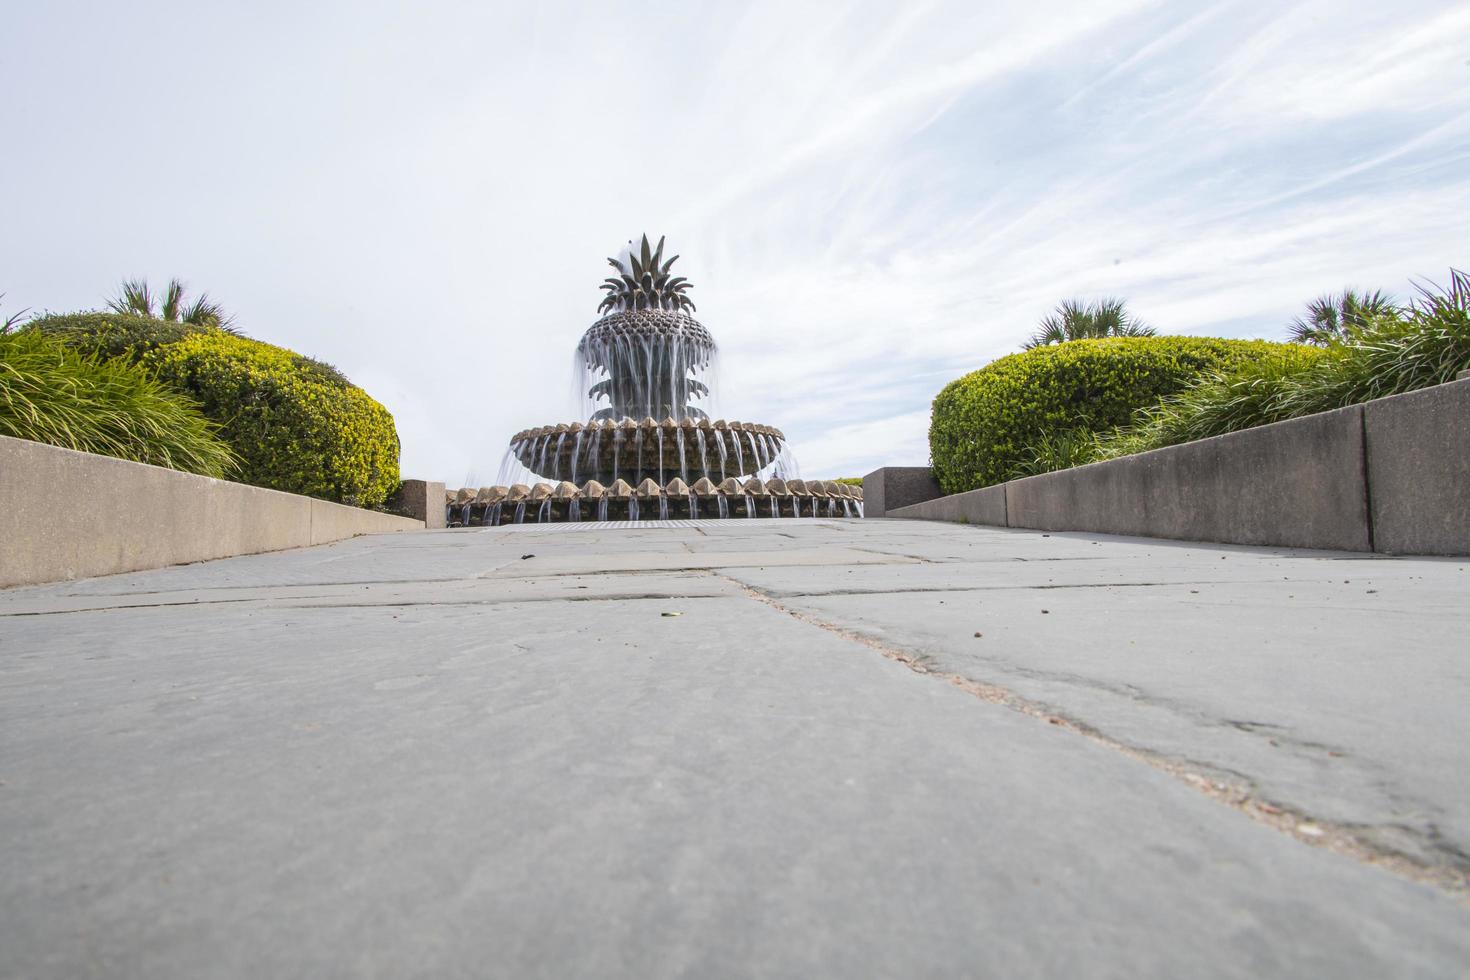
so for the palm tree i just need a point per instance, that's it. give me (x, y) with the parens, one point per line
(1332, 319)
(1076, 320)
(138, 299)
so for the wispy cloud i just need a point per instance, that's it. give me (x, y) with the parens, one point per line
(871, 199)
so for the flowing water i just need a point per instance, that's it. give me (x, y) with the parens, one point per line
(658, 369)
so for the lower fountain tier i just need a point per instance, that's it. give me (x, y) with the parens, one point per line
(544, 503)
(607, 451)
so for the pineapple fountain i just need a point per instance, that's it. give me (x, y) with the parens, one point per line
(648, 450)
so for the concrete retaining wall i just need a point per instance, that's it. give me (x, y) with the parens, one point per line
(1392, 475)
(424, 500)
(897, 486)
(67, 515)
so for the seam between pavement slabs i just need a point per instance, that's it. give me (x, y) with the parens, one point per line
(531, 579)
(917, 589)
(294, 602)
(1342, 839)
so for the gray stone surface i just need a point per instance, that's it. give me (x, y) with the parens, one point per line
(67, 515)
(1294, 484)
(897, 486)
(986, 505)
(423, 500)
(490, 753)
(1419, 470)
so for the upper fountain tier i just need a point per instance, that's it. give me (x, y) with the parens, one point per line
(647, 357)
(630, 450)
(645, 364)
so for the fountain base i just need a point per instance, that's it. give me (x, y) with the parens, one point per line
(544, 503)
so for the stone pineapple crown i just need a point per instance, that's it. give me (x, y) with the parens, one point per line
(644, 283)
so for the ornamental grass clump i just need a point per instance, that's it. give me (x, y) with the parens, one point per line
(1057, 451)
(53, 394)
(1256, 394)
(1394, 351)
(1426, 343)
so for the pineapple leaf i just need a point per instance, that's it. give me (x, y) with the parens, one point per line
(644, 281)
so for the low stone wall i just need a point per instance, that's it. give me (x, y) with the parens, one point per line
(893, 487)
(1391, 475)
(422, 500)
(68, 515)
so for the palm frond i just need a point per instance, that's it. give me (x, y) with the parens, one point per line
(1333, 319)
(135, 298)
(173, 301)
(1077, 320)
(204, 312)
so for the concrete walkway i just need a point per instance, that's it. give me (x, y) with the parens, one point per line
(750, 748)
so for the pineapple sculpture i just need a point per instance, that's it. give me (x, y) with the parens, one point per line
(643, 366)
(646, 451)
(643, 358)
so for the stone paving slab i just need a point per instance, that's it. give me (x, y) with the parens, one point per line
(1312, 707)
(425, 755)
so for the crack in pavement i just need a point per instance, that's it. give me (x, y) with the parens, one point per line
(1231, 788)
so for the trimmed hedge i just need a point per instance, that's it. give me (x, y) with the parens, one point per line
(295, 426)
(984, 422)
(114, 334)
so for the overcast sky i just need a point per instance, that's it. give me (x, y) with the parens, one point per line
(871, 200)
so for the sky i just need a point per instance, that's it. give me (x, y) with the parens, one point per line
(870, 199)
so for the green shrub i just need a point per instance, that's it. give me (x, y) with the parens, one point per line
(852, 481)
(53, 394)
(115, 334)
(1427, 343)
(984, 422)
(295, 426)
